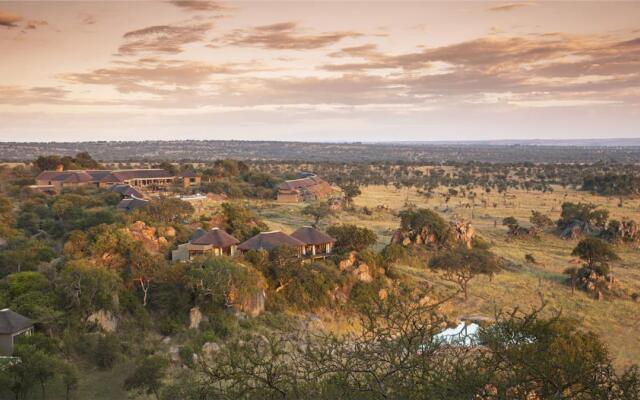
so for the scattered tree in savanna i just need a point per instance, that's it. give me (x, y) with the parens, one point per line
(351, 237)
(461, 264)
(349, 192)
(539, 220)
(420, 221)
(147, 378)
(572, 272)
(596, 253)
(586, 213)
(318, 211)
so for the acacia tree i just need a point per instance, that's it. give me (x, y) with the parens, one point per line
(318, 211)
(596, 253)
(460, 265)
(351, 237)
(350, 191)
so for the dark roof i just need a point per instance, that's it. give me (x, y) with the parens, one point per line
(12, 322)
(99, 174)
(300, 183)
(217, 238)
(65, 176)
(309, 235)
(269, 240)
(188, 174)
(103, 175)
(199, 232)
(126, 174)
(125, 190)
(131, 204)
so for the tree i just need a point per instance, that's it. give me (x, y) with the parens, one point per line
(350, 192)
(85, 288)
(596, 253)
(573, 276)
(582, 212)
(351, 237)
(221, 282)
(397, 355)
(418, 221)
(242, 222)
(70, 378)
(510, 222)
(165, 210)
(460, 265)
(539, 220)
(147, 377)
(143, 269)
(318, 211)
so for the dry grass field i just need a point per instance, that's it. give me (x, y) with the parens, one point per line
(523, 284)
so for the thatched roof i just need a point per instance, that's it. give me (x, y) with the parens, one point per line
(125, 190)
(269, 241)
(12, 322)
(309, 235)
(216, 237)
(198, 232)
(131, 204)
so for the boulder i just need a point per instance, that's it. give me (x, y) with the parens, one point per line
(348, 262)
(195, 317)
(363, 273)
(383, 294)
(105, 320)
(209, 348)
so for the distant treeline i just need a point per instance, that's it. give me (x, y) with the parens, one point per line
(435, 153)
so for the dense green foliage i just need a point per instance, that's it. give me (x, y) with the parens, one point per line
(351, 237)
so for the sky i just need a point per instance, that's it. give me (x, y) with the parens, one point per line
(318, 71)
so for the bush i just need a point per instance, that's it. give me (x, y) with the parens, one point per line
(351, 237)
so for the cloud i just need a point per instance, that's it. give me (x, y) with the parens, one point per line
(150, 75)
(198, 5)
(18, 95)
(87, 19)
(509, 6)
(34, 24)
(9, 19)
(163, 38)
(284, 36)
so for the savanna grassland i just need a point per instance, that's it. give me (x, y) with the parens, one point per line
(522, 283)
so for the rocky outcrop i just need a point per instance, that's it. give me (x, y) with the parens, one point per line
(104, 320)
(348, 262)
(575, 230)
(463, 232)
(625, 231)
(363, 273)
(252, 305)
(210, 348)
(460, 232)
(195, 318)
(148, 236)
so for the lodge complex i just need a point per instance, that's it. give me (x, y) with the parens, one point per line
(309, 188)
(149, 179)
(308, 242)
